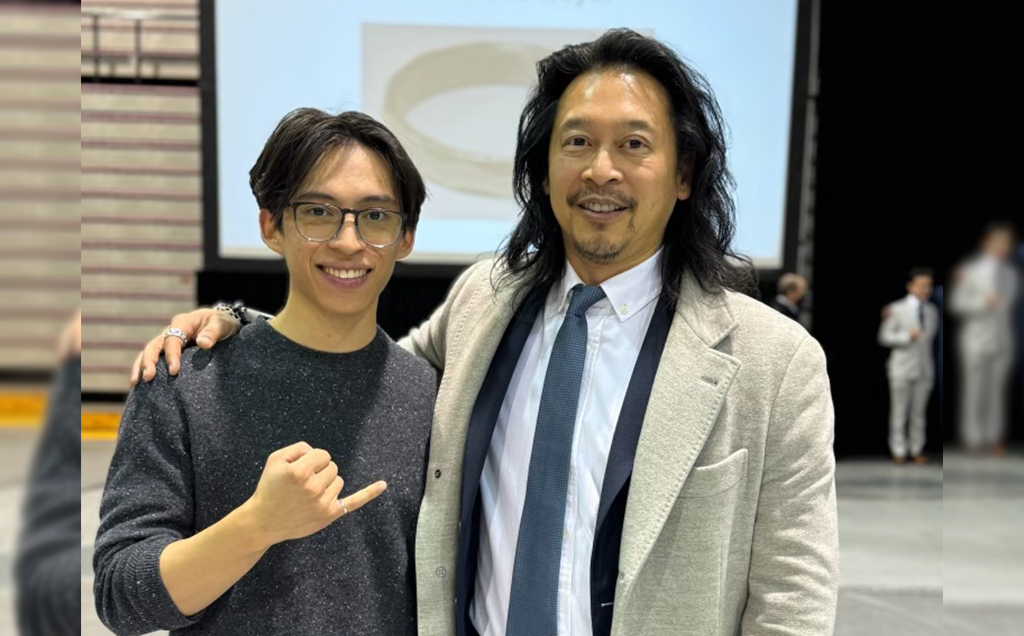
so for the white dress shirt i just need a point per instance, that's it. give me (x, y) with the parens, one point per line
(616, 327)
(915, 304)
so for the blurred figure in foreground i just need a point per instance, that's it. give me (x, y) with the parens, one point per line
(983, 296)
(48, 570)
(909, 330)
(792, 289)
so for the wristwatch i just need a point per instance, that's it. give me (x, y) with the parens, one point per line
(241, 313)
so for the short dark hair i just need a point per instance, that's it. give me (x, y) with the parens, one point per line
(305, 135)
(920, 271)
(700, 231)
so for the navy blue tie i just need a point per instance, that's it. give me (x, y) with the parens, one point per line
(533, 604)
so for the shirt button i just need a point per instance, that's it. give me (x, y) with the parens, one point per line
(624, 310)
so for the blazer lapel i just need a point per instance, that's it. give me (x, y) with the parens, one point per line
(490, 390)
(688, 393)
(631, 415)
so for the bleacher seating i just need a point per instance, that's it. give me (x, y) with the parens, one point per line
(141, 220)
(39, 182)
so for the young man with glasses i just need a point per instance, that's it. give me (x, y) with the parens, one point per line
(221, 512)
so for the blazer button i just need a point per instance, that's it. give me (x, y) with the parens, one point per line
(440, 573)
(437, 474)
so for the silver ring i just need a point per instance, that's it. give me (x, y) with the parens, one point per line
(174, 332)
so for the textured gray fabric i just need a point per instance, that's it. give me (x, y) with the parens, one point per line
(533, 602)
(48, 570)
(192, 448)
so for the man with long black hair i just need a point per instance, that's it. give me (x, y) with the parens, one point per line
(623, 442)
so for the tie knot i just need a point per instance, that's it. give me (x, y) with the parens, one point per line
(583, 297)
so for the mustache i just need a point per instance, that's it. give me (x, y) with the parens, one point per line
(620, 199)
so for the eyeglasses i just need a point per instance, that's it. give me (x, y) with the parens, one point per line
(321, 222)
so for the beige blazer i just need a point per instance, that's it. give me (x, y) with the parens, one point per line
(984, 330)
(909, 359)
(730, 525)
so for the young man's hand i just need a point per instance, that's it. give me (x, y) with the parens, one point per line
(211, 325)
(70, 343)
(298, 495)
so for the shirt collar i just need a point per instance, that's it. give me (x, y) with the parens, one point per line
(913, 300)
(627, 293)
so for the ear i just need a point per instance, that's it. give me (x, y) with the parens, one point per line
(405, 245)
(269, 232)
(685, 177)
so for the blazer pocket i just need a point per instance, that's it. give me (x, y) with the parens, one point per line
(705, 481)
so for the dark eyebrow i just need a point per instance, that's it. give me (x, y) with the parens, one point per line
(369, 199)
(631, 124)
(313, 195)
(378, 198)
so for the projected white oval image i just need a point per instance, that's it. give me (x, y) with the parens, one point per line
(450, 78)
(426, 103)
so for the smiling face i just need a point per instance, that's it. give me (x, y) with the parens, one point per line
(342, 277)
(613, 175)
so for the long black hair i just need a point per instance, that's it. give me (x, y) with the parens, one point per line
(700, 231)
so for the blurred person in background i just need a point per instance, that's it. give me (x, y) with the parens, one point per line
(909, 331)
(939, 300)
(48, 569)
(792, 289)
(983, 298)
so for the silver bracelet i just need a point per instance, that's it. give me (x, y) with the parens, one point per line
(237, 310)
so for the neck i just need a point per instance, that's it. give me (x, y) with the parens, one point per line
(593, 273)
(314, 328)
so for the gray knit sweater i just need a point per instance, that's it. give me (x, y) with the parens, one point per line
(192, 448)
(49, 562)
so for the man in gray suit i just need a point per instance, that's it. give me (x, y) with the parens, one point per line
(909, 330)
(624, 443)
(984, 294)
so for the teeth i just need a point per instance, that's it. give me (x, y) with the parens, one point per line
(346, 273)
(595, 207)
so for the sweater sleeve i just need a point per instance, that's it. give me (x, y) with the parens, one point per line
(48, 570)
(147, 504)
